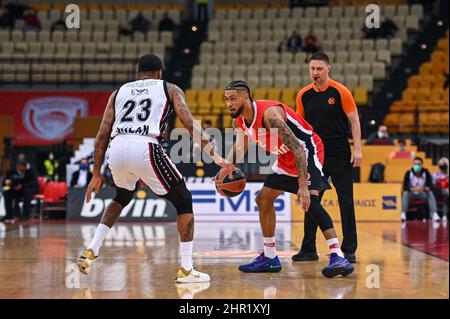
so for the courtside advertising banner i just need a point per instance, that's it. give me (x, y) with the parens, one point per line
(208, 205)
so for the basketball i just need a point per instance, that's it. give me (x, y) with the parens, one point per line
(233, 186)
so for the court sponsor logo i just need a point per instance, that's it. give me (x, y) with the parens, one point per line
(210, 205)
(51, 118)
(155, 208)
(373, 279)
(128, 236)
(389, 202)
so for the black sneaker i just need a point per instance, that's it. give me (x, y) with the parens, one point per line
(351, 257)
(304, 256)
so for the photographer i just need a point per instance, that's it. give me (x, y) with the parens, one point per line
(19, 184)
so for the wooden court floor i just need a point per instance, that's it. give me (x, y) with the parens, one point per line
(139, 260)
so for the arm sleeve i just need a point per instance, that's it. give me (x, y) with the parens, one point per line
(299, 104)
(348, 103)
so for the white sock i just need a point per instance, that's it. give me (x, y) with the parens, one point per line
(186, 254)
(334, 246)
(269, 247)
(97, 241)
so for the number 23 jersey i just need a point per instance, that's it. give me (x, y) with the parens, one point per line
(143, 108)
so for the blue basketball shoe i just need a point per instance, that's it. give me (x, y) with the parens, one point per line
(262, 264)
(337, 266)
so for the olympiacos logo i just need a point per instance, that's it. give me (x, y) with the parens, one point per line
(51, 118)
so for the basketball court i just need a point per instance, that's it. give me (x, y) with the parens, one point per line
(139, 260)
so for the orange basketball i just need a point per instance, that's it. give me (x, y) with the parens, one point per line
(233, 186)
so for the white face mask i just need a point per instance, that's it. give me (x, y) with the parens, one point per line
(51, 157)
(382, 134)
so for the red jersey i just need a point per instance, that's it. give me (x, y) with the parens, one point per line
(268, 139)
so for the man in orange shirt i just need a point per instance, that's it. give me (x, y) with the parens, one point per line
(330, 108)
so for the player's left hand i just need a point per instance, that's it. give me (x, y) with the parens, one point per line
(95, 183)
(356, 158)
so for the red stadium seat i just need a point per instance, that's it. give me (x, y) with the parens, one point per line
(55, 195)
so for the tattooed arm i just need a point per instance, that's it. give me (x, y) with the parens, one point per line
(194, 128)
(275, 118)
(101, 144)
(239, 148)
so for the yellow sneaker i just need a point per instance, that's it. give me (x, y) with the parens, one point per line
(189, 290)
(186, 276)
(85, 260)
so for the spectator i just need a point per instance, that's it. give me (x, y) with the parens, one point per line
(21, 157)
(51, 167)
(138, 23)
(388, 28)
(16, 9)
(294, 43)
(418, 185)
(166, 23)
(82, 177)
(440, 186)
(381, 137)
(7, 21)
(32, 22)
(402, 152)
(19, 184)
(59, 25)
(311, 43)
(370, 33)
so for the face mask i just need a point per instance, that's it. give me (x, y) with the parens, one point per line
(381, 135)
(417, 168)
(443, 167)
(83, 166)
(51, 157)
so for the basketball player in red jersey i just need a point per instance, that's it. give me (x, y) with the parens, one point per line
(298, 170)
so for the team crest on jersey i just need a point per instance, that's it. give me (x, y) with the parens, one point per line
(331, 100)
(139, 91)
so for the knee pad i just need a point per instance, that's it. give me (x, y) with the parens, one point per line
(319, 214)
(123, 196)
(181, 198)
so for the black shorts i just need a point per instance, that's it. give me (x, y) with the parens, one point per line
(290, 184)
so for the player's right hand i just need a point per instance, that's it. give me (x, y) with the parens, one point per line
(94, 184)
(303, 197)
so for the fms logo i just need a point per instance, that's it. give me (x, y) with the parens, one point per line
(389, 202)
(244, 203)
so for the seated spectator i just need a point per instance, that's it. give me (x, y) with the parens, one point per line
(138, 23)
(294, 43)
(402, 152)
(59, 25)
(32, 22)
(6, 21)
(166, 24)
(440, 186)
(19, 184)
(370, 33)
(418, 185)
(17, 9)
(388, 29)
(311, 43)
(381, 137)
(82, 177)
